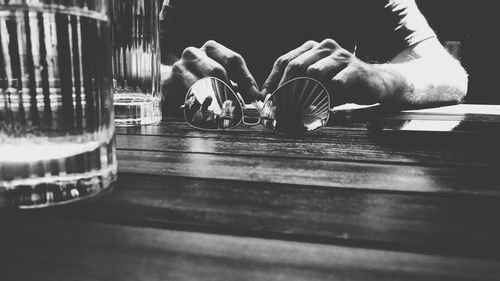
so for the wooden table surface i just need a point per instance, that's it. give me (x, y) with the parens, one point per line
(250, 204)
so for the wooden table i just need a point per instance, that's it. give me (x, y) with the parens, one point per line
(254, 205)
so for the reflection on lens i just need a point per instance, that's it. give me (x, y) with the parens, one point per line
(299, 106)
(212, 105)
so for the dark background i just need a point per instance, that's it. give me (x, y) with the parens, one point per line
(475, 24)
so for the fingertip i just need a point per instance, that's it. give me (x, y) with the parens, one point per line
(264, 93)
(256, 94)
(251, 94)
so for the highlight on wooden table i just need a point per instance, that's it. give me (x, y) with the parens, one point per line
(253, 204)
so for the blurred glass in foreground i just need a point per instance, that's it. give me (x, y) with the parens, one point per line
(136, 62)
(56, 108)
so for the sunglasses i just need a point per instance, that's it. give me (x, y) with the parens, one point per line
(299, 106)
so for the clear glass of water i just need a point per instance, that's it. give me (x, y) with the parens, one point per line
(56, 107)
(136, 62)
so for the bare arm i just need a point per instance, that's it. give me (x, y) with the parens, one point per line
(424, 74)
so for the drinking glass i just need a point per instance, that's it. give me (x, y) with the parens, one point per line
(301, 105)
(56, 109)
(136, 62)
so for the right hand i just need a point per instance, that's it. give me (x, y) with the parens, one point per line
(212, 59)
(348, 79)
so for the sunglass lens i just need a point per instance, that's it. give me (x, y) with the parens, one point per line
(299, 106)
(212, 105)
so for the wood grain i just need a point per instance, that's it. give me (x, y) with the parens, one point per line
(42, 249)
(250, 204)
(310, 172)
(458, 225)
(176, 126)
(344, 146)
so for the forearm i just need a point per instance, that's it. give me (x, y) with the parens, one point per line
(423, 81)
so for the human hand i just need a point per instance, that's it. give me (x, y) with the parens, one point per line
(212, 59)
(347, 78)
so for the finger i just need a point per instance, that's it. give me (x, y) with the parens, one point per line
(325, 69)
(180, 73)
(236, 68)
(174, 89)
(280, 65)
(200, 65)
(299, 66)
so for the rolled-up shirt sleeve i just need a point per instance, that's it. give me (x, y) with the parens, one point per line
(389, 27)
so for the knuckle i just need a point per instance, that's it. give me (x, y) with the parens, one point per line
(310, 43)
(314, 71)
(190, 53)
(342, 55)
(235, 60)
(217, 71)
(177, 68)
(211, 44)
(329, 43)
(324, 52)
(282, 61)
(294, 66)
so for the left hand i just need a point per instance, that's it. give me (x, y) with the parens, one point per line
(347, 78)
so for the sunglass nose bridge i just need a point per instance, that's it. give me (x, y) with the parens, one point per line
(251, 115)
